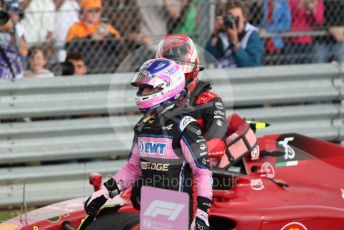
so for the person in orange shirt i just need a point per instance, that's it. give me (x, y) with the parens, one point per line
(95, 39)
(91, 24)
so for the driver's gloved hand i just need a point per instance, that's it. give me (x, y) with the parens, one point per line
(201, 221)
(99, 198)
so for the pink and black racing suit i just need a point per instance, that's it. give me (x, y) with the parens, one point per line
(168, 151)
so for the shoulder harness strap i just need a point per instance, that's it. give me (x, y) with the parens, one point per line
(200, 88)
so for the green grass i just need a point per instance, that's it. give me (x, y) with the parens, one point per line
(5, 215)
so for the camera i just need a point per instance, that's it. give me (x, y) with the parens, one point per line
(230, 21)
(4, 17)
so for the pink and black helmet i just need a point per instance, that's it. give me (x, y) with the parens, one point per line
(166, 78)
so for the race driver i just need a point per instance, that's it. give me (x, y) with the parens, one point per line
(168, 143)
(208, 106)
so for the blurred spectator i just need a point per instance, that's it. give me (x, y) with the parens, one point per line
(276, 19)
(67, 13)
(90, 26)
(78, 62)
(137, 43)
(10, 62)
(156, 15)
(306, 16)
(235, 42)
(118, 12)
(15, 12)
(37, 63)
(331, 47)
(39, 21)
(186, 22)
(95, 39)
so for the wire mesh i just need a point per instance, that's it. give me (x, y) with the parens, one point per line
(291, 31)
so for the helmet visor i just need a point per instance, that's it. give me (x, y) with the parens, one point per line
(147, 90)
(143, 78)
(175, 49)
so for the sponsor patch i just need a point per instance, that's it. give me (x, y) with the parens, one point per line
(152, 147)
(154, 166)
(202, 146)
(218, 112)
(185, 121)
(199, 132)
(219, 123)
(219, 105)
(170, 71)
(203, 154)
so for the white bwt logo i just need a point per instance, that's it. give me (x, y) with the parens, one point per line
(289, 151)
(163, 208)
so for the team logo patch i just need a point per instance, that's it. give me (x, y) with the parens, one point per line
(294, 226)
(169, 127)
(185, 121)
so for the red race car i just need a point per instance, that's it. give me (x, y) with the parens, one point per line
(297, 183)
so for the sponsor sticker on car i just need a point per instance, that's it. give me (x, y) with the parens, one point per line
(268, 169)
(288, 150)
(294, 226)
(257, 184)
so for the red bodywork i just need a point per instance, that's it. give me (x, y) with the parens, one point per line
(301, 188)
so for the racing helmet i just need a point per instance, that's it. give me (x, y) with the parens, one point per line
(181, 49)
(161, 83)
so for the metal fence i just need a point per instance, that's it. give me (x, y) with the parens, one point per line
(313, 31)
(51, 128)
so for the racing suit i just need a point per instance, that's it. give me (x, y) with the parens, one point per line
(169, 148)
(208, 110)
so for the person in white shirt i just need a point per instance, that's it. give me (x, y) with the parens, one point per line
(39, 21)
(67, 13)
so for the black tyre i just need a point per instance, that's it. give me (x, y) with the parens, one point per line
(112, 221)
